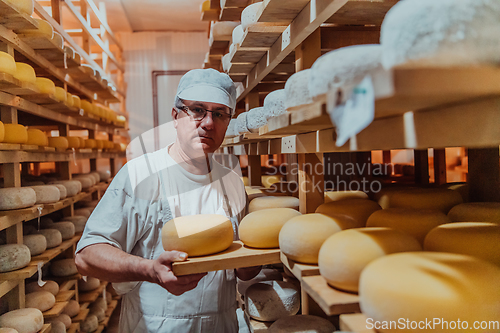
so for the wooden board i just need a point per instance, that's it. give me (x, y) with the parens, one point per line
(10, 146)
(235, 3)
(10, 217)
(331, 300)
(42, 99)
(46, 328)
(40, 42)
(74, 328)
(55, 311)
(230, 14)
(13, 86)
(299, 270)
(65, 295)
(261, 35)
(259, 326)
(362, 12)
(240, 68)
(275, 11)
(355, 322)
(6, 286)
(13, 19)
(81, 315)
(210, 15)
(22, 273)
(236, 256)
(248, 54)
(68, 285)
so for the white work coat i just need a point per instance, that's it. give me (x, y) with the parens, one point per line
(145, 194)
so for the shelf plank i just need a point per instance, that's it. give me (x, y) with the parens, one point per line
(91, 296)
(240, 68)
(10, 146)
(65, 295)
(21, 274)
(40, 42)
(6, 286)
(13, 86)
(331, 301)
(74, 328)
(236, 256)
(230, 13)
(14, 19)
(81, 315)
(55, 311)
(46, 328)
(9, 156)
(261, 35)
(355, 322)
(67, 285)
(275, 11)
(259, 326)
(362, 12)
(236, 3)
(299, 270)
(54, 252)
(10, 217)
(247, 54)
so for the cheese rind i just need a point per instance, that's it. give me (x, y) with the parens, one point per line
(59, 142)
(92, 283)
(61, 94)
(73, 187)
(63, 318)
(67, 229)
(53, 236)
(13, 257)
(62, 190)
(37, 244)
(7, 63)
(268, 202)
(27, 320)
(249, 15)
(17, 197)
(197, 235)
(344, 255)
(46, 194)
(425, 198)
(63, 267)
(72, 309)
(356, 210)
(25, 73)
(15, 133)
(274, 103)
(342, 195)
(57, 327)
(261, 229)
(50, 286)
(37, 137)
(272, 300)
(45, 86)
(476, 212)
(41, 300)
(90, 324)
(302, 324)
(297, 89)
(237, 34)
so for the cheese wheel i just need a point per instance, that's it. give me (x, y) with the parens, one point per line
(90, 143)
(77, 102)
(441, 199)
(91, 284)
(104, 175)
(2, 130)
(87, 106)
(302, 324)
(60, 94)
(99, 313)
(53, 236)
(476, 211)
(415, 222)
(8, 330)
(69, 100)
(343, 69)
(45, 86)
(266, 274)
(50, 286)
(268, 180)
(58, 40)
(44, 29)
(241, 123)
(63, 318)
(256, 118)
(85, 181)
(478, 239)
(26, 6)
(342, 195)
(37, 244)
(424, 285)
(7, 63)
(83, 212)
(73, 187)
(231, 131)
(357, 209)
(72, 309)
(385, 195)
(464, 37)
(197, 235)
(46, 194)
(57, 327)
(301, 237)
(274, 103)
(89, 324)
(99, 304)
(96, 176)
(99, 144)
(59, 142)
(63, 267)
(37, 137)
(16, 197)
(45, 222)
(272, 300)
(13, 257)
(15, 133)
(25, 73)
(345, 254)
(26, 320)
(268, 202)
(462, 188)
(297, 89)
(237, 34)
(67, 229)
(249, 15)
(223, 28)
(62, 190)
(41, 300)
(261, 229)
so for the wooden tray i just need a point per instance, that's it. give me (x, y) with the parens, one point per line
(299, 270)
(236, 256)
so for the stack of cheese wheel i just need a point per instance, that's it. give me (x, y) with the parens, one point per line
(14, 257)
(45, 86)
(25, 73)
(261, 228)
(358, 210)
(297, 89)
(343, 69)
(344, 255)
(274, 103)
(7, 63)
(15, 133)
(428, 198)
(198, 235)
(301, 324)
(17, 197)
(409, 34)
(41, 300)
(59, 142)
(26, 320)
(63, 267)
(341, 195)
(36, 243)
(249, 15)
(26, 6)
(476, 211)
(37, 137)
(300, 239)
(478, 239)
(418, 286)
(415, 222)
(267, 202)
(46, 194)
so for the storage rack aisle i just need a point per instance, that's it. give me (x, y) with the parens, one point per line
(104, 130)
(415, 108)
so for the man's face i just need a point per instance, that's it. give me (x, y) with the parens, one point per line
(204, 136)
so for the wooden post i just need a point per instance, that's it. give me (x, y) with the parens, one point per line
(65, 169)
(308, 51)
(252, 100)
(93, 161)
(484, 174)
(421, 159)
(56, 7)
(254, 170)
(311, 182)
(439, 166)
(11, 171)
(85, 36)
(111, 160)
(386, 157)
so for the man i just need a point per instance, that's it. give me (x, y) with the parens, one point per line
(122, 240)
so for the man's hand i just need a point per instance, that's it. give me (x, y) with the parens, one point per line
(163, 275)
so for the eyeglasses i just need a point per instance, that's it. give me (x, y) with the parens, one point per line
(198, 113)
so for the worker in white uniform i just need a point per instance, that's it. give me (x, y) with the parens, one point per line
(121, 242)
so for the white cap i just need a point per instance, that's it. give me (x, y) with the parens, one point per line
(207, 85)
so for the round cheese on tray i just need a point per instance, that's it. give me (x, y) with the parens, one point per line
(57, 327)
(13, 257)
(341, 195)
(231, 131)
(357, 209)
(62, 190)
(272, 300)
(58, 142)
(261, 229)
(15, 133)
(25, 73)
(50, 286)
(274, 103)
(92, 283)
(426, 198)
(73, 187)
(63, 267)
(302, 324)
(27, 320)
(7, 63)
(63, 318)
(85, 181)
(89, 324)
(72, 308)
(476, 212)
(17, 197)
(344, 255)
(268, 202)
(198, 235)
(67, 229)
(297, 89)
(46, 194)
(249, 15)
(36, 243)
(26, 6)
(465, 36)
(45, 86)
(256, 118)
(60, 94)
(41, 300)
(241, 123)
(37, 137)
(53, 237)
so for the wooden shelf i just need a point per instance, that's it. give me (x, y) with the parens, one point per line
(14, 19)
(275, 11)
(55, 311)
(65, 295)
(354, 323)
(259, 326)
(261, 35)
(21, 274)
(362, 12)
(81, 315)
(299, 270)
(74, 328)
(331, 301)
(230, 14)
(46, 328)
(67, 285)
(10, 156)
(13, 86)
(6, 286)
(54, 252)
(91, 296)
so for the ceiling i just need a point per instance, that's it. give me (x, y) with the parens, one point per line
(154, 15)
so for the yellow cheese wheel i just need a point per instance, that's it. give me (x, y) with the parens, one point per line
(198, 235)
(69, 100)
(60, 94)
(261, 229)
(26, 6)
(383, 197)
(99, 144)
(50, 286)
(7, 63)
(27, 320)
(205, 6)
(268, 202)
(77, 103)
(58, 40)
(2, 131)
(25, 73)
(345, 254)
(302, 236)
(45, 86)
(267, 181)
(73, 141)
(342, 195)
(87, 106)
(478, 239)
(82, 142)
(59, 142)
(44, 29)
(415, 222)
(37, 137)
(15, 133)
(428, 198)
(41, 300)
(421, 286)
(357, 209)
(476, 212)
(462, 188)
